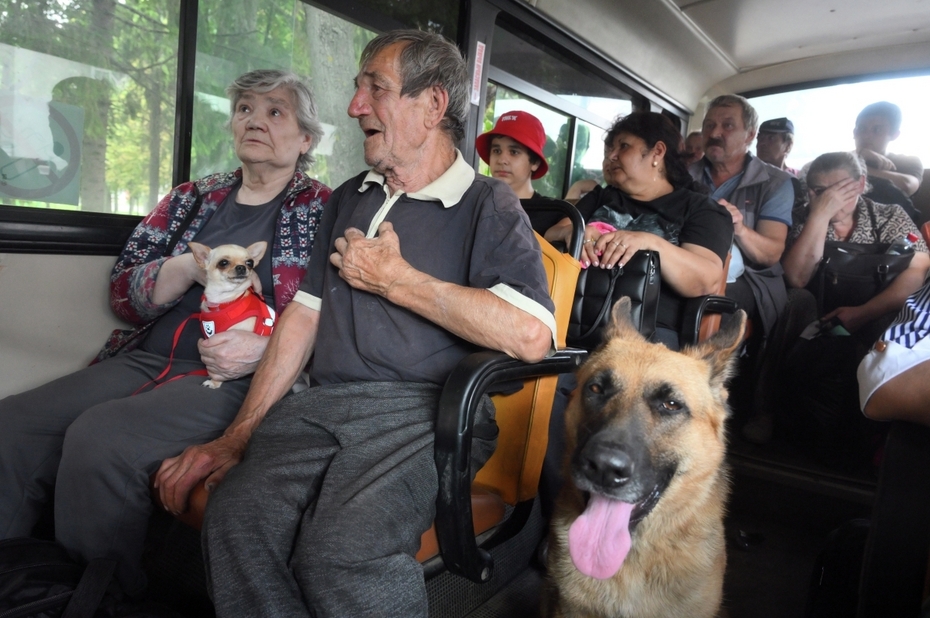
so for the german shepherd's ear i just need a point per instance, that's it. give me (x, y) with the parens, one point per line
(621, 325)
(719, 350)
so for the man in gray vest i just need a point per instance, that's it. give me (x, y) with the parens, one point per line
(758, 195)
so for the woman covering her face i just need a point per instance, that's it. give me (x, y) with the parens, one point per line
(838, 211)
(648, 204)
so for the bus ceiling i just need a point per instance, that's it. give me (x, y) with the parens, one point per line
(694, 49)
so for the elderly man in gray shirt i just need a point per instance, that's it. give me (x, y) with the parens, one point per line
(417, 263)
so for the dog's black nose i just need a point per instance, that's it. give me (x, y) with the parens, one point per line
(607, 465)
(241, 271)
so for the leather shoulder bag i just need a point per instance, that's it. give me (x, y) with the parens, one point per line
(851, 274)
(598, 289)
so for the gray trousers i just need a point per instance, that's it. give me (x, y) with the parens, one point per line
(323, 516)
(88, 440)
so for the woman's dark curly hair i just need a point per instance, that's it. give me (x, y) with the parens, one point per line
(652, 128)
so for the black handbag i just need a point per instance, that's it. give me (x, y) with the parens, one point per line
(852, 274)
(598, 289)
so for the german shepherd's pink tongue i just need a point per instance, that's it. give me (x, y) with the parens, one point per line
(599, 540)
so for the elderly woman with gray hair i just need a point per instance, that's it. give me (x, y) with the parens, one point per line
(817, 366)
(94, 437)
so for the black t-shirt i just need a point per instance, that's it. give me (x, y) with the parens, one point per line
(542, 220)
(884, 191)
(231, 224)
(681, 217)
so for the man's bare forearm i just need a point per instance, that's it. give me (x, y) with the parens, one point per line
(905, 182)
(892, 298)
(765, 244)
(476, 315)
(286, 355)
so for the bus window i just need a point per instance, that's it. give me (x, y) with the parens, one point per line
(87, 104)
(527, 60)
(574, 104)
(589, 153)
(824, 117)
(308, 41)
(87, 96)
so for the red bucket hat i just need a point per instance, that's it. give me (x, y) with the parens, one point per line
(521, 127)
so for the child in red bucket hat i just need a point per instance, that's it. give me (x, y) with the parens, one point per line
(514, 151)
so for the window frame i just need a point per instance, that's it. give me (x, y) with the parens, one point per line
(37, 230)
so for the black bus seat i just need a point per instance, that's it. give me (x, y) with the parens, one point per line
(702, 315)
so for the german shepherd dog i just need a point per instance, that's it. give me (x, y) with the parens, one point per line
(638, 525)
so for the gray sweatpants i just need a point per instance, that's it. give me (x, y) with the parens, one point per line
(88, 440)
(323, 516)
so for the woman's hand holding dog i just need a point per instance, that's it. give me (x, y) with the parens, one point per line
(176, 276)
(232, 354)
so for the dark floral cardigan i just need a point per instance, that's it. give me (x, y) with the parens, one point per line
(133, 278)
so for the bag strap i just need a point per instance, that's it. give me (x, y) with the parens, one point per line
(39, 605)
(90, 590)
(608, 302)
(876, 232)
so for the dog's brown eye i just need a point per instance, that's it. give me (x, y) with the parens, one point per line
(595, 388)
(222, 263)
(250, 264)
(671, 405)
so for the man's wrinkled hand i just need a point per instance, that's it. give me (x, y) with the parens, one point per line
(370, 264)
(178, 476)
(735, 213)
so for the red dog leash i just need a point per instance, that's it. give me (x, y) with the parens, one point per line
(221, 318)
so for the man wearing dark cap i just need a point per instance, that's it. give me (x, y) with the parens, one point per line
(774, 142)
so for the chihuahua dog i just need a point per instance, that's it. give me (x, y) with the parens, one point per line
(229, 301)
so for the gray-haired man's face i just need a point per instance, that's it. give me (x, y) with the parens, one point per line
(395, 126)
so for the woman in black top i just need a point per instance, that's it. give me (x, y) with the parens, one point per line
(649, 205)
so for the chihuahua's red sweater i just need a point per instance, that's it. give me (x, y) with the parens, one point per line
(219, 318)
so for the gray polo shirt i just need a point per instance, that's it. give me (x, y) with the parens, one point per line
(464, 229)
